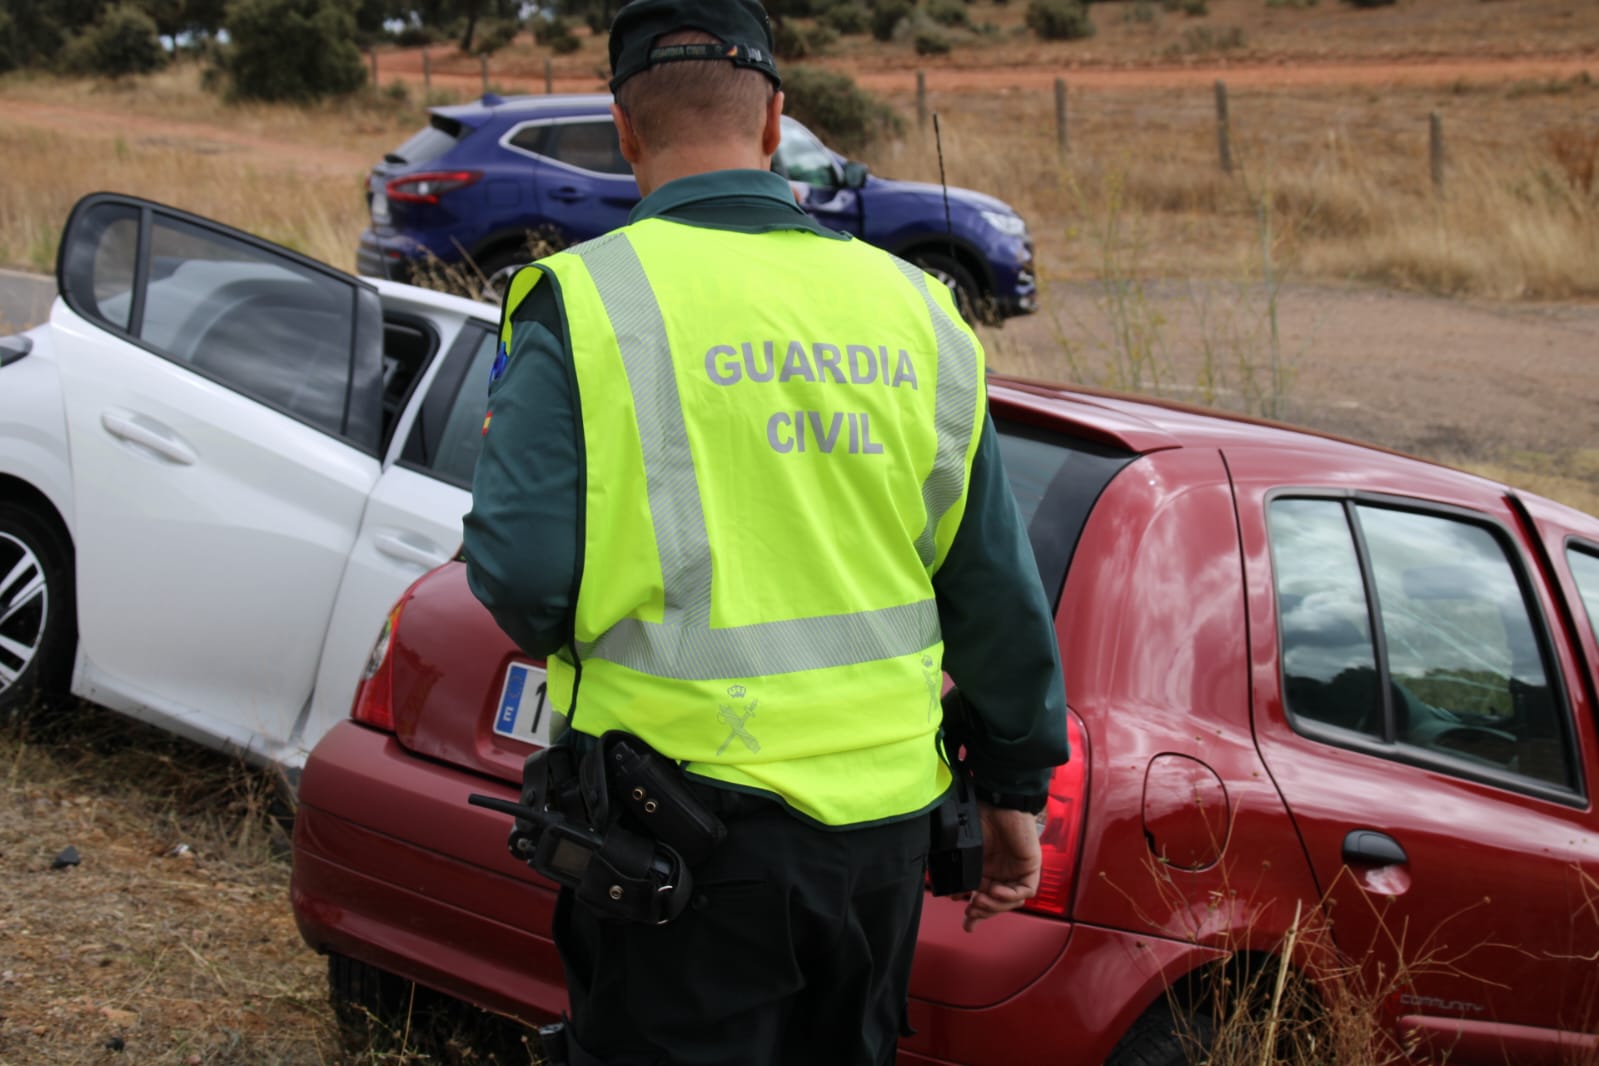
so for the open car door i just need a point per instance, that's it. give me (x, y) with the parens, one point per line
(223, 400)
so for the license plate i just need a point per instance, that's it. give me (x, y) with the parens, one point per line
(525, 711)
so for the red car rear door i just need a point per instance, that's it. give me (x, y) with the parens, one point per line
(1417, 703)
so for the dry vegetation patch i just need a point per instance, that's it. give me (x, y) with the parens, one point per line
(171, 940)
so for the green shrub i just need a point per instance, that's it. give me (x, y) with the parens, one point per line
(846, 116)
(412, 36)
(557, 34)
(931, 41)
(546, 30)
(1194, 8)
(1369, 3)
(887, 15)
(291, 50)
(1059, 20)
(791, 42)
(493, 36)
(848, 18)
(122, 41)
(949, 12)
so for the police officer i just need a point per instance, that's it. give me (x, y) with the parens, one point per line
(739, 484)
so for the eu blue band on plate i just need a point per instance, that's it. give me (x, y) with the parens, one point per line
(511, 697)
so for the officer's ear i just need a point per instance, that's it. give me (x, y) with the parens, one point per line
(626, 135)
(772, 131)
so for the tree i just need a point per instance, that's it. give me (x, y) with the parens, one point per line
(122, 41)
(298, 50)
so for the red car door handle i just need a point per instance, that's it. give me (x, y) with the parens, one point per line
(1367, 847)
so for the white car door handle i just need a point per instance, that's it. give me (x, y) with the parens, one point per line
(410, 548)
(148, 434)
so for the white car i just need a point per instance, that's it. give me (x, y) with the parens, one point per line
(220, 464)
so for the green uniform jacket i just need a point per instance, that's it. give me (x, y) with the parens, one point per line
(523, 535)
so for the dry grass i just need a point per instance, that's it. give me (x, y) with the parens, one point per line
(1572, 478)
(1346, 171)
(172, 942)
(290, 175)
(1345, 166)
(315, 214)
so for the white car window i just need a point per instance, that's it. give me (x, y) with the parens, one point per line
(448, 434)
(261, 323)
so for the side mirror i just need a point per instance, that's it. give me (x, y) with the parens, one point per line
(14, 348)
(855, 174)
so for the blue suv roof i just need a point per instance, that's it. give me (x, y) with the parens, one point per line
(474, 114)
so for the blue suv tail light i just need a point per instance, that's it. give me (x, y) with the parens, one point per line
(427, 187)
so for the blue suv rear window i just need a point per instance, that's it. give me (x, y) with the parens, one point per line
(428, 143)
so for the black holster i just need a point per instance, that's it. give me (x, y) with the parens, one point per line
(620, 827)
(955, 852)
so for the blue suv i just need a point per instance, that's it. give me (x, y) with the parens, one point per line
(484, 178)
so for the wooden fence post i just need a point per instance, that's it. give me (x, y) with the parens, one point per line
(483, 63)
(427, 74)
(1060, 116)
(549, 80)
(1435, 151)
(921, 100)
(372, 54)
(1224, 144)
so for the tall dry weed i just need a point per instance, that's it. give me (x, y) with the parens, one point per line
(1350, 192)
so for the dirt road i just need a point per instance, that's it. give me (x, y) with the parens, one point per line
(1453, 380)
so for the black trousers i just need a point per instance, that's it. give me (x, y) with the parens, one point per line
(795, 951)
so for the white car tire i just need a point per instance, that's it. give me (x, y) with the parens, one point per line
(38, 614)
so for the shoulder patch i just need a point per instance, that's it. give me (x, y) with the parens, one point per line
(501, 358)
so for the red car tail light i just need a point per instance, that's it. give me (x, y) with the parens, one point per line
(426, 188)
(1060, 830)
(374, 696)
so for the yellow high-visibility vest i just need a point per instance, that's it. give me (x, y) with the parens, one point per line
(778, 437)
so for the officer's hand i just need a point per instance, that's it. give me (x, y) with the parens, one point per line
(1011, 863)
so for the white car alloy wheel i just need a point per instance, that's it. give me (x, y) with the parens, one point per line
(24, 608)
(36, 609)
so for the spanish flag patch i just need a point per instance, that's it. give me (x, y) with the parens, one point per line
(488, 417)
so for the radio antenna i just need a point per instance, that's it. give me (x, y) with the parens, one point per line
(949, 227)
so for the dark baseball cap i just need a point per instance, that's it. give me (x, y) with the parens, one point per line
(741, 26)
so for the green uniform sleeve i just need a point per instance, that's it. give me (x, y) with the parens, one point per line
(999, 640)
(523, 536)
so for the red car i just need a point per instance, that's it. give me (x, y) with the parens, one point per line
(1332, 718)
